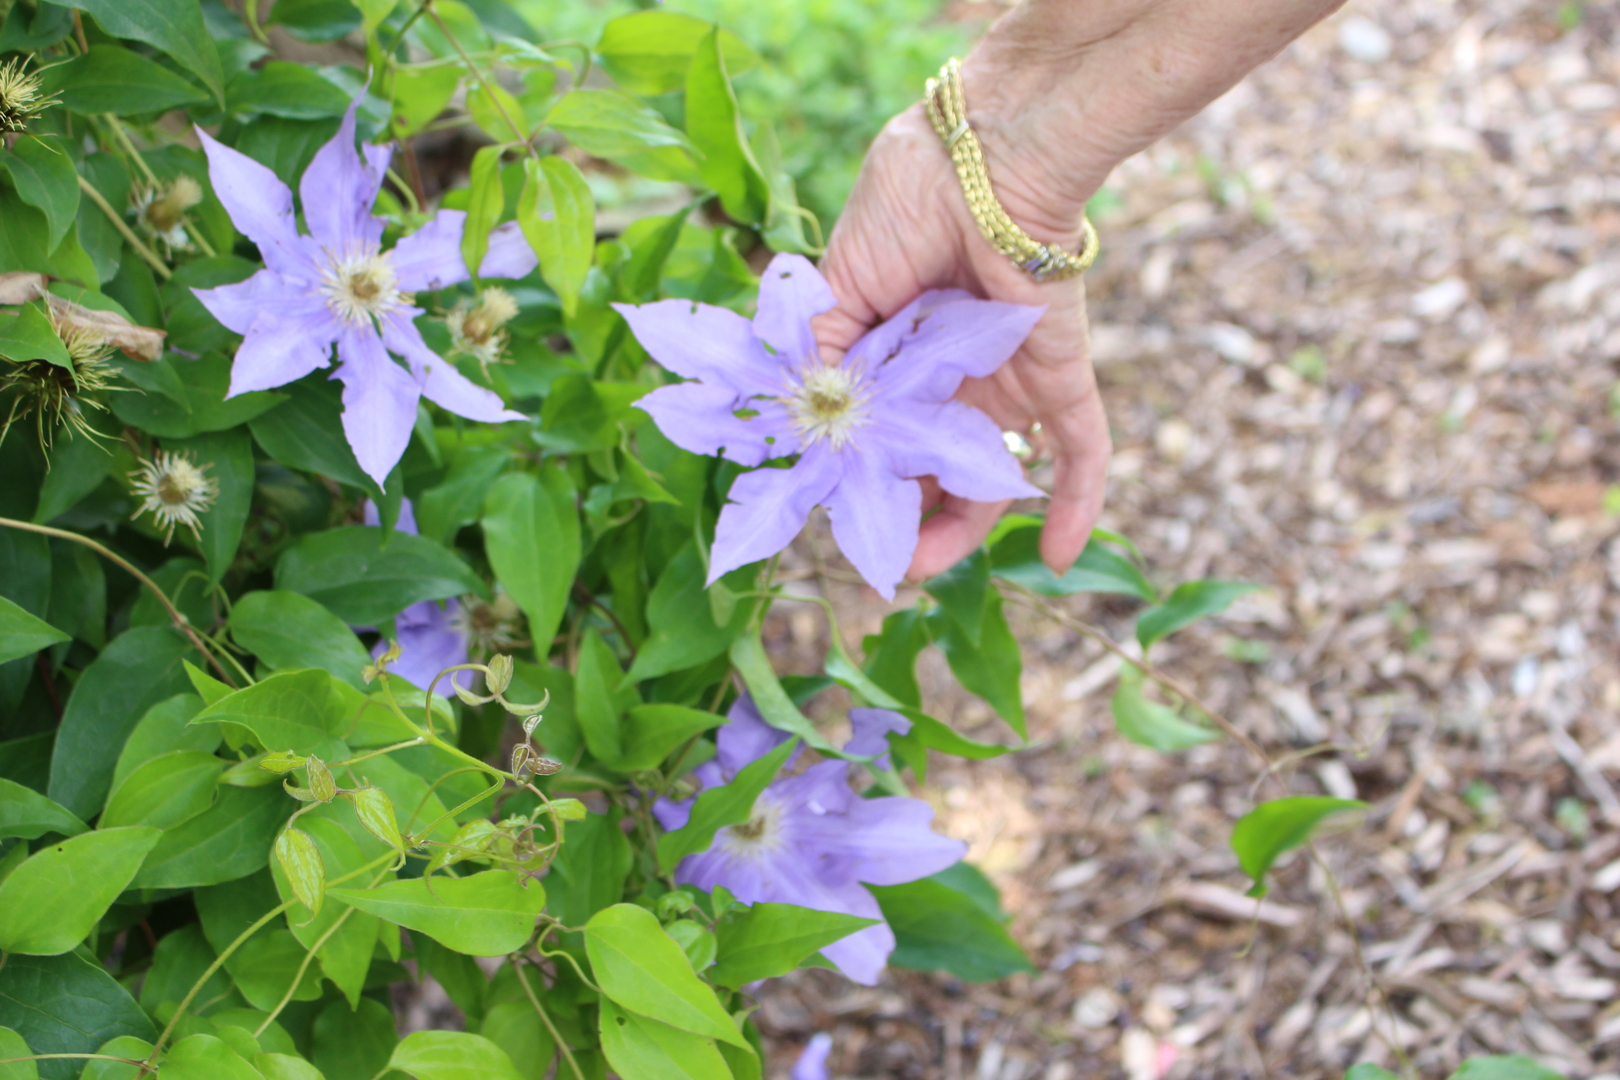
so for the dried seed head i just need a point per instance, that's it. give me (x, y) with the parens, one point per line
(490, 626)
(20, 98)
(523, 761)
(174, 490)
(161, 210)
(477, 331)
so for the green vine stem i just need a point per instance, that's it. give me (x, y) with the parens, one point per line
(160, 267)
(518, 964)
(180, 621)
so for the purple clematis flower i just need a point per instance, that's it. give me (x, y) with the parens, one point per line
(812, 1063)
(336, 285)
(430, 632)
(812, 841)
(865, 429)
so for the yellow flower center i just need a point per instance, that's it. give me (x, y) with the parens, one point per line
(359, 285)
(760, 835)
(829, 403)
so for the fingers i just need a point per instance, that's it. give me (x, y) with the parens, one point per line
(952, 534)
(1081, 447)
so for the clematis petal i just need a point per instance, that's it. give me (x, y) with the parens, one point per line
(260, 206)
(770, 506)
(812, 1063)
(698, 341)
(406, 523)
(925, 351)
(428, 643)
(889, 841)
(745, 737)
(870, 735)
(379, 402)
(955, 443)
(862, 955)
(791, 290)
(702, 418)
(820, 794)
(430, 258)
(236, 306)
(441, 383)
(340, 185)
(875, 518)
(287, 333)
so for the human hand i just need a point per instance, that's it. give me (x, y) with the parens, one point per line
(1059, 93)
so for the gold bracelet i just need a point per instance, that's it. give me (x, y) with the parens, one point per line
(1043, 262)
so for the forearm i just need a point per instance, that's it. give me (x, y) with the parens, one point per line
(1061, 91)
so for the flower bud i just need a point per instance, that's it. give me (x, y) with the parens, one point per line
(300, 860)
(523, 761)
(376, 812)
(530, 723)
(320, 780)
(568, 809)
(499, 674)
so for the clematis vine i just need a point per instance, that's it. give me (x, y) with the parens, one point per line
(335, 285)
(430, 632)
(811, 840)
(864, 429)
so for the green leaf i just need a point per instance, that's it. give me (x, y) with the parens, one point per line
(112, 79)
(991, 669)
(50, 903)
(300, 860)
(650, 52)
(597, 705)
(1016, 557)
(715, 808)
(354, 1044)
(306, 432)
(205, 1057)
(45, 178)
(23, 635)
(230, 457)
(1191, 601)
(174, 26)
(26, 334)
(78, 466)
(162, 729)
(373, 12)
(452, 1055)
(285, 1067)
(195, 402)
(580, 415)
(531, 534)
(784, 220)
(768, 940)
(1505, 1067)
(1148, 723)
(375, 811)
(639, 1048)
(749, 658)
(590, 870)
(289, 630)
(1271, 828)
(654, 731)
(27, 814)
(487, 914)
(714, 123)
(66, 1005)
(178, 963)
(891, 657)
(265, 968)
(963, 592)
(138, 669)
(279, 88)
(345, 950)
(291, 710)
(928, 733)
(12, 1046)
(682, 632)
(558, 216)
(486, 198)
(229, 840)
(609, 125)
(446, 507)
(165, 791)
(513, 1026)
(938, 927)
(642, 969)
(421, 94)
(364, 577)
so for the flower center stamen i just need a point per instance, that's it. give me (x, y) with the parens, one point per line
(759, 835)
(359, 285)
(829, 403)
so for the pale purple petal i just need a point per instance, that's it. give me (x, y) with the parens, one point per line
(862, 955)
(875, 518)
(812, 1063)
(428, 643)
(870, 733)
(237, 305)
(791, 290)
(441, 383)
(510, 255)
(702, 418)
(260, 206)
(430, 258)
(405, 524)
(955, 443)
(887, 841)
(697, 341)
(925, 351)
(745, 737)
(379, 402)
(339, 187)
(769, 508)
(277, 351)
